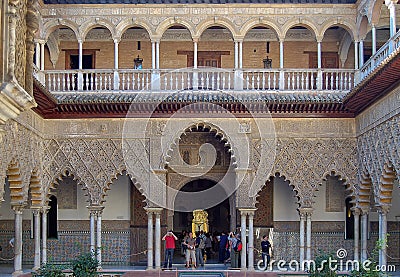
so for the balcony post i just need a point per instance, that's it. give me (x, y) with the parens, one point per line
(319, 74)
(373, 39)
(356, 55)
(80, 74)
(116, 73)
(392, 10)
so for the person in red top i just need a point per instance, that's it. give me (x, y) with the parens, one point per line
(170, 239)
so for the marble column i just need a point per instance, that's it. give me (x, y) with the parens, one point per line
(302, 246)
(240, 54)
(157, 251)
(319, 53)
(36, 218)
(195, 52)
(392, 11)
(45, 210)
(280, 53)
(308, 219)
(236, 54)
(42, 55)
(80, 58)
(251, 239)
(356, 213)
(157, 54)
(98, 239)
(361, 46)
(18, 241)
(243, 254)
(149, 239)
(92, 231)
(373, 34)
(364, 235)
(37, 54)
(153, 54)
(116, 53)
(383, 235)
(355, 54)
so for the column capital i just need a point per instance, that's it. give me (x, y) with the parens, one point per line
(80, 41)
(36, 210)
(153, 210)
(390, 3)
(117, 40)
(247, 211)
(305, 211)
(383, 209)
(196, 39)
(45, 209)
(18, 209)
(356, 211)
(240, 40)
(40, 41)
(156, 40)
(95, 210)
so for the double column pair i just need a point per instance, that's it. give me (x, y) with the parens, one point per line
(364, 233)
(151, 252)
(244, 212)
(95, 230)
(40, 257)
(305, 217)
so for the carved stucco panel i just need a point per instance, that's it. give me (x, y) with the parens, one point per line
(305, 162)
(378, 146)
(20, 144)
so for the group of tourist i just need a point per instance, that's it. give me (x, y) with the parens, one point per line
(200, 247)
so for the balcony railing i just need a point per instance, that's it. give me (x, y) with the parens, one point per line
(380, 56)
(198, 79)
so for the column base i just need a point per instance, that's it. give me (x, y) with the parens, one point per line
(150, 269)
(17, 273)
(35, 268)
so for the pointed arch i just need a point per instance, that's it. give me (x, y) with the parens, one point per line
(55, 24)
(172, 21)
(93, 23)
(121, 172)
(198, 125)
(216, 21)
(65, 172)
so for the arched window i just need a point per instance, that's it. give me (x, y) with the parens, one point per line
(52, 223)
(349, 220)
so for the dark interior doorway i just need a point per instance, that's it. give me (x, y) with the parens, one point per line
(218, 216)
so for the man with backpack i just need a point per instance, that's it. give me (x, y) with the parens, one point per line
(236, 247)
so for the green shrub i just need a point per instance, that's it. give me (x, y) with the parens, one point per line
(322, 268)
(50, 270)
(85, 265)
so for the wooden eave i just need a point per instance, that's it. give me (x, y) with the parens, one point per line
(378, 84)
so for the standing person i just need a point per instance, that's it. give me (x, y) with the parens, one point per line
(190, 243)
(235, 252)
(208, 246)
(183, 246)
(223, 241)
(199, 243)
(265, 248)
(170, 239)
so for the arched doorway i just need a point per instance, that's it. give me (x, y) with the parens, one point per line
(218, 216)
